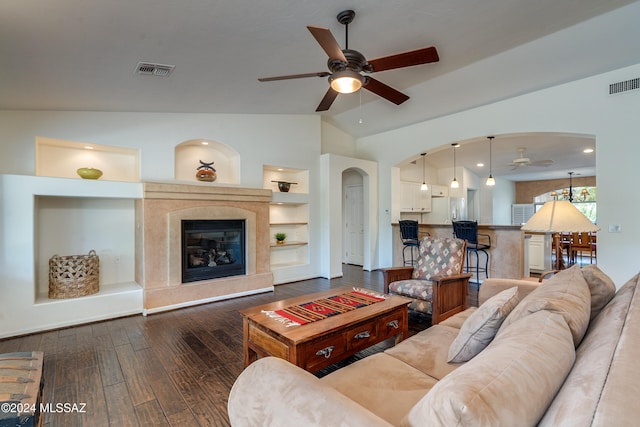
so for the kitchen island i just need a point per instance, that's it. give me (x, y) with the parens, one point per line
(506, 256)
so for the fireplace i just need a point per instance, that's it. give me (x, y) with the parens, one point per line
(212, 249)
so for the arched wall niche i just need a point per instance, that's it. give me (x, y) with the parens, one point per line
(189, 154)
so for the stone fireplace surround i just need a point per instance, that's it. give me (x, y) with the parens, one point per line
(158, 246)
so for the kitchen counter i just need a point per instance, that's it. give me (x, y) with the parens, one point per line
(506, 256)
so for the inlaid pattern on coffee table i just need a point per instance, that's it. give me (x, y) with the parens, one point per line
(318, 344)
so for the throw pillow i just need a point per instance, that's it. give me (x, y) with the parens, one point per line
(480, 328)
(601, 286)
(566, 293)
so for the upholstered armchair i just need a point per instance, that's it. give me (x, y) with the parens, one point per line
(436, 285)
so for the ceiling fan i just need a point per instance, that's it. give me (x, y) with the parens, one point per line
(347, 65)
(521, 160)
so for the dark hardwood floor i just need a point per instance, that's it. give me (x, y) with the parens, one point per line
(168, 369)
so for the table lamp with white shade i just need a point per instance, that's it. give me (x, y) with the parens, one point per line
(559, 216)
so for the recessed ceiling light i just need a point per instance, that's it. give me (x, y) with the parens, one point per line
(480, 165)
(587, 150)
(280, 169)
(204, 143)
(88, 147)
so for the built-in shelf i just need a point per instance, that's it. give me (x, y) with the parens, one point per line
(105, 290)
(61, 158)
(290, 198)
(288, 243)
(68, 216)
(289, 214)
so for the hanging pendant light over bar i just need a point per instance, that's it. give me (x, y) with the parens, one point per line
(424, 186)
(490, 181)
(454, 182)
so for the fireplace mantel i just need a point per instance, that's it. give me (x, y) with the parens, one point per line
(159, 190)
(158, 217)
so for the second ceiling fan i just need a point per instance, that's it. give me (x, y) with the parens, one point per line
(347, 65)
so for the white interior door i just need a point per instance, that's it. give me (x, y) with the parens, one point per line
(354, 225)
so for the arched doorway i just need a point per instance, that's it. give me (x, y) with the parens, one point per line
(353, 217)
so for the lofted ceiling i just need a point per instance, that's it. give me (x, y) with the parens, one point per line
(80, 55)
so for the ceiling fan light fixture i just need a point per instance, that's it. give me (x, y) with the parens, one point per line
(346, 81)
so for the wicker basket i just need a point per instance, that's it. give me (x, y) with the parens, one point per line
(74, 275)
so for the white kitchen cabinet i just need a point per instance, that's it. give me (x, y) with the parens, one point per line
(413, 199)
(539, 252)
(439, 191)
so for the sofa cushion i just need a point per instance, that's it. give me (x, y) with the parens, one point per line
(566, 293)
(577, 401)
(601, 286)
(457, 320)
(427, 350)
(384, 385)
(510, 383)
(439, 257)
(492, 286)
(272, 392)
(480, 328)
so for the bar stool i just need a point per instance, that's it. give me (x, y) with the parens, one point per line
(410, 240)
(468, 230)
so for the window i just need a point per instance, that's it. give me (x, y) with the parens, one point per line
(584, 199)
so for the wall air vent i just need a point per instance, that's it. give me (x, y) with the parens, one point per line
(151, 69)
(624, 86)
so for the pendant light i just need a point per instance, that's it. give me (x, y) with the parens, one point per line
(568, 194)
(424, 186)
(454, 183)
(490, 181)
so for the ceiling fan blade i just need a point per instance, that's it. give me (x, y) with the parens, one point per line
(295, 76)
(327, 100)
(541, 163)
(327, 42)
(406, 59)
(387, 92)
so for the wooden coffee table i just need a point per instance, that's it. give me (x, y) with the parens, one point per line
(318, 344)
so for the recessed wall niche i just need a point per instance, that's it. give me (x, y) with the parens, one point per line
(61, 158)
(189, 154)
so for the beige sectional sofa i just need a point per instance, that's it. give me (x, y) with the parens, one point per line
(562, 353)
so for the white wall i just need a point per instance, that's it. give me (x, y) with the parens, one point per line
(582, 106)
(498, 200)
(336, 141)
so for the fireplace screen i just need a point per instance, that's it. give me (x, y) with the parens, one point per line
(212, 249)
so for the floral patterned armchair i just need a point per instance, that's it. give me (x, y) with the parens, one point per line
(436, 285)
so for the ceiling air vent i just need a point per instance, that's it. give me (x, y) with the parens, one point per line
(151, 69)
(624, 86)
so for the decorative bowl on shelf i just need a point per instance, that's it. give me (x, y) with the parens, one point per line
(89, 173)
(284, 186)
